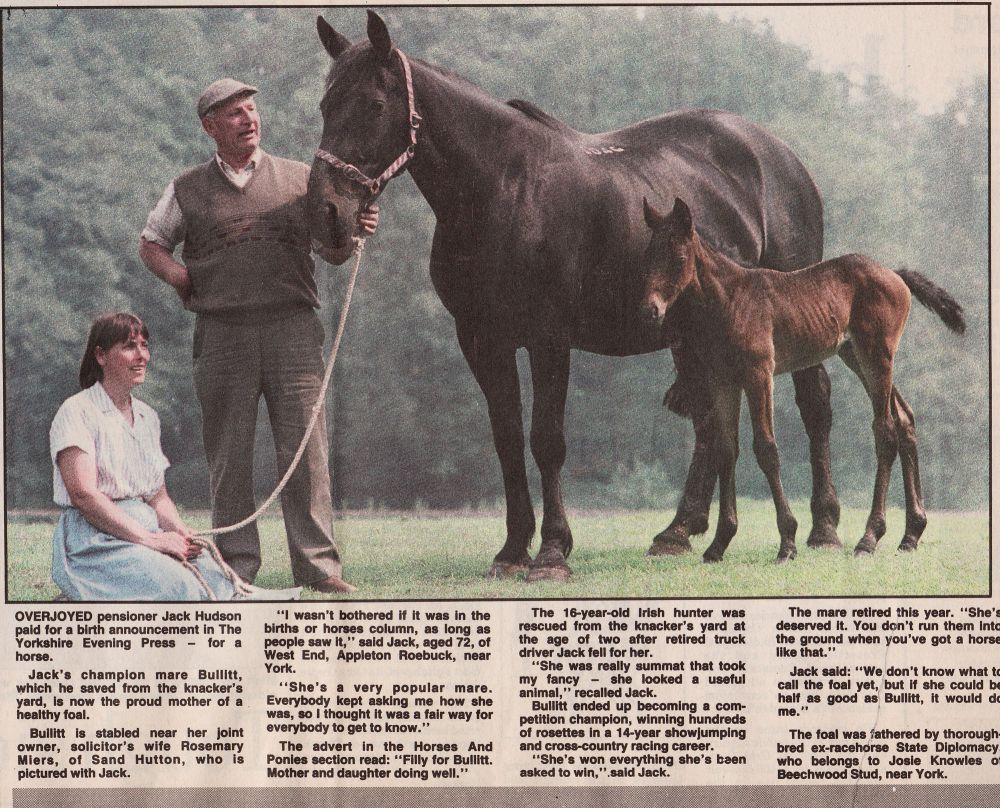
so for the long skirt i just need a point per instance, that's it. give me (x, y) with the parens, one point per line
(90, 565)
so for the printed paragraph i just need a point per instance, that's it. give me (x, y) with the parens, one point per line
(599, 700)
(83, 722)
(887, 720)
(364, 635)
(429, 682)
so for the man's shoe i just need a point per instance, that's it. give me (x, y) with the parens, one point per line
(333, 585)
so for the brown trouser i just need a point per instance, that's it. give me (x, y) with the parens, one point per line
(282, 359)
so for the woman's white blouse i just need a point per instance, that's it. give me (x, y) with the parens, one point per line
(130, 462)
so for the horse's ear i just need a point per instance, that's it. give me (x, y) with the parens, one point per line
(681, 217)
(653, 217)
(334, 43)
(378, 35)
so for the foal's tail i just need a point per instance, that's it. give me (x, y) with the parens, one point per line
(935, 298)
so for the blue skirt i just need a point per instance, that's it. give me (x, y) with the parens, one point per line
(90, 565)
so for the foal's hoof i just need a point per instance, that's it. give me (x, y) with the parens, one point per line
(824, 537)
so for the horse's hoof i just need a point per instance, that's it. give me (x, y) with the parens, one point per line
(669, 547)
(501, 570)
(824, 537)
(549, 565)
(908, 545)
(784, 558)
(561, 542)
(863, 551)
(670, 541)
(711, 558)
(559, 574)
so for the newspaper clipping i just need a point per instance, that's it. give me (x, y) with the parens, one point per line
(740, 620)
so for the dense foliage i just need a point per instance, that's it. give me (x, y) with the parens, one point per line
(98, 115)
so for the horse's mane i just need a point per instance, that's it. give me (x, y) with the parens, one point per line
(539, 115)
(526, 108)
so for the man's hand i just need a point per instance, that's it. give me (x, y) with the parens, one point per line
(161, 262)
(365, 224)
(367, 221)
(183, 287)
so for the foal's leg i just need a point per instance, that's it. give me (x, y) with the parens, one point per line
(875, 368)
(906, 432)
(812, 395)
(899, 433)
(692, 512)
(550, 362)
(691, 396)
(760, 398)
(727, 417)
(495, 367)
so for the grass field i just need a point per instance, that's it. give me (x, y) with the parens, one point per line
(431, 557)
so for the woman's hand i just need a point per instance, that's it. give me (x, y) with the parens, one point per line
(170, 522)
(169, 543)
(174, 544)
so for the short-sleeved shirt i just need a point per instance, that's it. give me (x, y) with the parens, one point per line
(165, 223)
(130, 462)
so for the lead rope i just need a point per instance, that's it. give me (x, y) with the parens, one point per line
(240, 586)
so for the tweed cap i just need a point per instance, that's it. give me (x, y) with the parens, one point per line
(218, 92)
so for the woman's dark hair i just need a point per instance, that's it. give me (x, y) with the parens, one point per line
(107, 331)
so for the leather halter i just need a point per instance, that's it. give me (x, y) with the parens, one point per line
(353, 173)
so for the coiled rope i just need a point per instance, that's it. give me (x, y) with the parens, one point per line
(200, 538)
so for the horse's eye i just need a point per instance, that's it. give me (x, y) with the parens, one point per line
(378, 107)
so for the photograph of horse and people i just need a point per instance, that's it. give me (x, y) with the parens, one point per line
(556, 250)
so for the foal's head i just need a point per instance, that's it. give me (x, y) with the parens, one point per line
(669, 261)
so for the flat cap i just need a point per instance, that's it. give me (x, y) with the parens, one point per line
(218, 92)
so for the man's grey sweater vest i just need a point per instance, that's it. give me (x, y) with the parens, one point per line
(248, 250)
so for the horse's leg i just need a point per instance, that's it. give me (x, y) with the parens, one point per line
(812, 395)
(726, 411)
(550, 378)
(495, 367)
(906, 433)
(691, 396)
(760, 398)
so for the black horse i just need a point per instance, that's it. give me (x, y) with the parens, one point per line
(538, 244)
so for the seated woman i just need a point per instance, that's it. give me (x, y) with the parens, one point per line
(120, 536)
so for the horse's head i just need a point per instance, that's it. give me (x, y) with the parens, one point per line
(669, 261)
(368, 125)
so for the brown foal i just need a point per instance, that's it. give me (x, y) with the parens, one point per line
(746, 325)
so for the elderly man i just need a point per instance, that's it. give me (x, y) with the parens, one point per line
(249, 276)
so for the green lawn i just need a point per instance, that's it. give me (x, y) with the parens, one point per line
(444, 557)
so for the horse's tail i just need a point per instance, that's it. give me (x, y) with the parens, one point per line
(935, 298)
